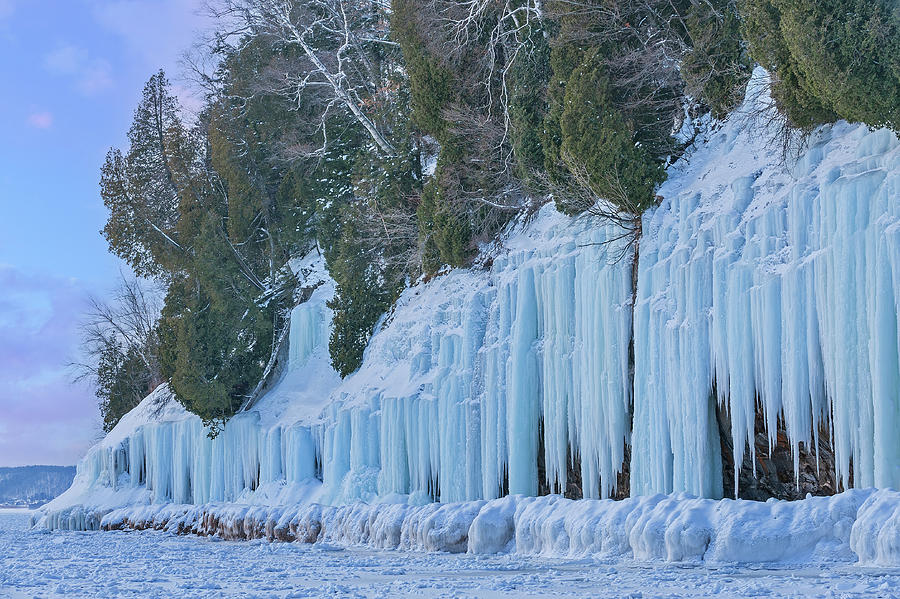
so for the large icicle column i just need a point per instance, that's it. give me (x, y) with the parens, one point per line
(778, 286)
(456, 386)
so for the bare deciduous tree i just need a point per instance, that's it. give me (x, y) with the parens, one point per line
(334, 67)
(502, 31)
(582, 197)
(481, 177)
(120, 347)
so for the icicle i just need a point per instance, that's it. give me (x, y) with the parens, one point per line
(775, 289)
(802, 316)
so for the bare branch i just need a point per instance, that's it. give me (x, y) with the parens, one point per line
(333, 36)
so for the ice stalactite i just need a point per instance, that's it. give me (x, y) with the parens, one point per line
(448, 402)
(469, 365)
(780, 286)
(524, 383)
(166, 451)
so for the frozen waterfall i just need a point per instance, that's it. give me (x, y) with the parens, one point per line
(453, 391)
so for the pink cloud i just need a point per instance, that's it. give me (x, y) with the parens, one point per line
(41, 119)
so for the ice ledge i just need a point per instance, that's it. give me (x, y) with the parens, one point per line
(861, 526)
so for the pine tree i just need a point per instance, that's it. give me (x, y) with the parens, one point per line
(143, 188)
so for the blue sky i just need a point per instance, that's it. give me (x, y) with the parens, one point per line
(72, 73)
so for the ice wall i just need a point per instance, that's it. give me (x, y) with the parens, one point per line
(453, 391)
(771, 283)
(159, 453)
(762, 281)
(449, 402)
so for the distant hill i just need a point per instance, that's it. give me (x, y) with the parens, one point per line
(33, 486)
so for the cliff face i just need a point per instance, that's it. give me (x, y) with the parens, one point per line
(764, 326)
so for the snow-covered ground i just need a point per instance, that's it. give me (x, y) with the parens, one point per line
(38, 563)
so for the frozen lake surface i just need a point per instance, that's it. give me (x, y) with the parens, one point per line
(155, 564)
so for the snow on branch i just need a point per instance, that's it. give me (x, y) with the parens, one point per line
(334, 38)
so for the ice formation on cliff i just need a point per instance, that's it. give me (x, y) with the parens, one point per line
(780, 285)
(453, 390)
(758, 281)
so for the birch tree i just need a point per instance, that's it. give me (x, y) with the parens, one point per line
(330, 55)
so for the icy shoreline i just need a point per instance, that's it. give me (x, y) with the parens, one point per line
(764, 291)
(857, 526)
(154, 563)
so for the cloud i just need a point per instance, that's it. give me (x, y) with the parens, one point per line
(40, 120)
(157, 31)
(95, 78)
(66, 59)
(46, 418)
(91, 75)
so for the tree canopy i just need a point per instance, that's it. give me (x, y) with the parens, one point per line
(395, 139)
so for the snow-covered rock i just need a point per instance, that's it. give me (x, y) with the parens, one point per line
(855, 526)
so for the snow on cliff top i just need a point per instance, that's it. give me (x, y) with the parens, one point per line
(159, 406)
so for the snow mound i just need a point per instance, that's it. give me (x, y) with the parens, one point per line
(876, 533)
(855, 526)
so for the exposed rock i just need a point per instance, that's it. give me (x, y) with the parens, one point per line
(774, 468)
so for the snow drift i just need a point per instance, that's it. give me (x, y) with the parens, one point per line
(677, 528)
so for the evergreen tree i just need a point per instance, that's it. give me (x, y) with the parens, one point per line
(143, 188)
(122, 381)
(717, 67)
(830, 59)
